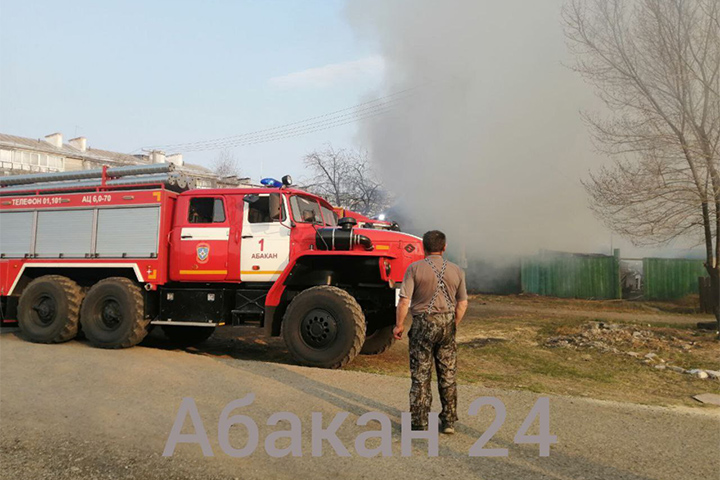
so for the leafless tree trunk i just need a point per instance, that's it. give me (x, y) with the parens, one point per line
(346, 179)
(656, 66)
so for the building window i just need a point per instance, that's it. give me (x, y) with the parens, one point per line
(34, 161)
(54, 162)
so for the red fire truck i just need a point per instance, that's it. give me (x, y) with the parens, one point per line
(115, 252)
(366, 222)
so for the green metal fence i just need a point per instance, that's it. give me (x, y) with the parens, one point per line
(571, 275)
(671, 278)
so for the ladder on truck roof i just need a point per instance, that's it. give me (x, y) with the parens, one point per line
(131, 175)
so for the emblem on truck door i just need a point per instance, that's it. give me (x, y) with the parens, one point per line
(203, 252)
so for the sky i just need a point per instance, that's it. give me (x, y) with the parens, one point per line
(132, 74)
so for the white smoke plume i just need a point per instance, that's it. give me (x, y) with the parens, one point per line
(490, 147)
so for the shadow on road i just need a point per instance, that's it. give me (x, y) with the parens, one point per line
(240, 343)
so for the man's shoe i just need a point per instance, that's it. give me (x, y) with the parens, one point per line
(447, 428)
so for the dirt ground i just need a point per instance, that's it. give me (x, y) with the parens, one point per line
(70, 411)
(518, 343)
(74, 411)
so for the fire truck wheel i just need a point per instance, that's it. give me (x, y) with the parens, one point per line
(378, 341)
(187, 336)
(324, 327)
(113, 314)
(49, 309)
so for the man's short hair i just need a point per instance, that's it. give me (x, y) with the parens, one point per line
(434, 241)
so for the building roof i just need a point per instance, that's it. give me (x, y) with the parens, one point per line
(196, 168)
(101, 156)
(41, 145)
(114, 156)
(31, 143)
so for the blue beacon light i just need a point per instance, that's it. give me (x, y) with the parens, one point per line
(271, 183)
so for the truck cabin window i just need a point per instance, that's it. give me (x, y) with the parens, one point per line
(266, 209)
(329, 216)
(206, 210)
(305, 210)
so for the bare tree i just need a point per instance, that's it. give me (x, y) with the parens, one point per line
(346, 179)
(226, 165)
(656, 66)
(330, 179)
(369, 196)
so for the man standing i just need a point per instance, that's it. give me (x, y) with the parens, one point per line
(434, 291)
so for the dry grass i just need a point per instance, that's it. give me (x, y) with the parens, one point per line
(507, 351)
(686, 305)
(503, 346)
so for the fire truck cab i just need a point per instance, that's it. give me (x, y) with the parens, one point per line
(116, 260)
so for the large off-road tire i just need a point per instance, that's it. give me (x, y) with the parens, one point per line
(378, 341)
(49, 309)
(112, 314)
(324, 327)
(187, 336)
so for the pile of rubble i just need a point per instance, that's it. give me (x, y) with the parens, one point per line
(624, 339)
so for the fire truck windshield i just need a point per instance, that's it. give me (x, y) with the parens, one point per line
(308, 210)
(329, 216)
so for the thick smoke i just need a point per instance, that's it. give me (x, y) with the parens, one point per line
(490, 147)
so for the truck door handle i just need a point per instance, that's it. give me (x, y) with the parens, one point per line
(247, 236)
(186, 236)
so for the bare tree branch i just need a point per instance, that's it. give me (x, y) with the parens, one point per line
(346, 178)
(656, 66)
(226, 165)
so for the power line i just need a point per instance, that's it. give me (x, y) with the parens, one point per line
(273, 134)
(293, 132)
(340, 117)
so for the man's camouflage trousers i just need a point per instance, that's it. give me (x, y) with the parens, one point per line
(432, 337)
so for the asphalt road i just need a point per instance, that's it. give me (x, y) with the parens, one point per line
(72, 411)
